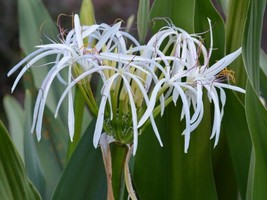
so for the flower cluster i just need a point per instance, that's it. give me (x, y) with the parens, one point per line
(138, 81)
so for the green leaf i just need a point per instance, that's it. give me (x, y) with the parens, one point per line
(35, 24)
(37, 27)
(257, 121)
(224, 5)
(204, 9)
(168, 171)
(15, 117)
(14, 183)
(52, 148)
(234, 34)
(84, 176)
(32, 161)
(263, 62)
(143, 19)
(234, 126)
(252, 41)
(180, 12)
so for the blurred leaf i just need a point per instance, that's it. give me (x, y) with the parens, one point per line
(143, 19)
(257, 121)
(35, 24)
(87, 15)
(84, 175)
(234, 126)
(52, 148)
(14, 183)
(180, 12)
(263, 75)
(252, 41)
(263, 61)
(36, 27)
(15, 115)
(255, 112)
(224, 5)
(32, 161)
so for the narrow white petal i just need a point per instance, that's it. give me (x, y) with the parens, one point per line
(108, 33)
(134, 114)
(71, 118)
(101, 111)
(217, 115)
(78, 33)
(24, 60)
(26, 67)
(231, 87)
(75, 81)
(141, 87)
(224, 62)
(152, 103)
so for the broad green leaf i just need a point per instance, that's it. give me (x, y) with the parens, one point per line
(32, 161)
(234, 34)
(14, 183)
(256, 115)
(84, 175)
(168, 171)
(15, 117)
(143, 19)
(234, 126)
(180, 12)
(252, 41)
(223, 171)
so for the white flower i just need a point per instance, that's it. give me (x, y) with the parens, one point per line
(124, 75)
(71, 52)
(210, 78)
(184, 76)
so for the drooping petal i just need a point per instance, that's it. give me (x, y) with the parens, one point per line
(101, 111)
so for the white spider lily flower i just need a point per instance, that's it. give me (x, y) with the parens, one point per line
(128, 65)
(211, 78)
(76, 49)
(183, 76)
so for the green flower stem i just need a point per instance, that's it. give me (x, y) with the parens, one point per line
(118, 157)
(86, 90)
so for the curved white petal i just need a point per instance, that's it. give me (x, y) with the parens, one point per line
(101, 111)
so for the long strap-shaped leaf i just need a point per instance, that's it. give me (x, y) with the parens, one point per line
(256, 113)
(84, 175)
(14, 183)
